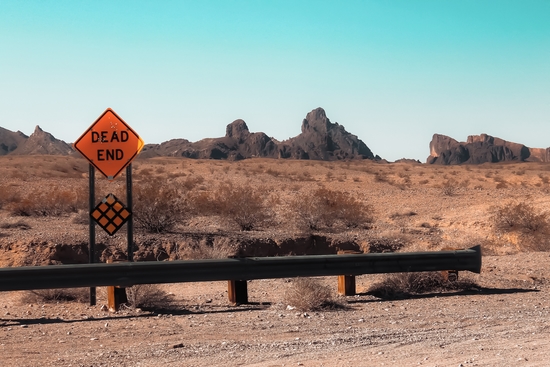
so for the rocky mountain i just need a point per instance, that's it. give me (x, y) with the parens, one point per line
(481, 149)
(9, 140)
(41, 142)
(320, 139)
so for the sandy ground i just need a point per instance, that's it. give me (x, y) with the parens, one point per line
(503, 321)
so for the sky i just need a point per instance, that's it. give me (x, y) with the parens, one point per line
(391, 72)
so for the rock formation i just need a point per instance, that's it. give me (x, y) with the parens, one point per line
(39, 142)
(481, 149)
(320, 139)
(9, 140)
(323, 140)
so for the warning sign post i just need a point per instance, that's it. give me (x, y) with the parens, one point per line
(110, 145)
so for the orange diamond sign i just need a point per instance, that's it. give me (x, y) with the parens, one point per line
(110, 214)
(109, 144)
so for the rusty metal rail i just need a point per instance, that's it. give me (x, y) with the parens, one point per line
(131, 273)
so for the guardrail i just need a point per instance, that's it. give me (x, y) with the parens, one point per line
(242, 269)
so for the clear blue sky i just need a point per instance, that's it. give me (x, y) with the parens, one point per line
(392, 72)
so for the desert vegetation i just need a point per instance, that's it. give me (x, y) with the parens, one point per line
(183, 207)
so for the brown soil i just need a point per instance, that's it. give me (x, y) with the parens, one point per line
(503, 321)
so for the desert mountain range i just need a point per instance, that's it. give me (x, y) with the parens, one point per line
(320, 139)
(482, 149)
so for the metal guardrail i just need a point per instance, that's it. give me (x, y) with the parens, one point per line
(131, 273)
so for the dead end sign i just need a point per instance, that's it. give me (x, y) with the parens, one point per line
(109, 144)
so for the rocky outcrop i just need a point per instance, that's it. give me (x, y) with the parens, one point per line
(323, 140)
(320, 139)
(41, 142)
(9, 140)
(482, 149)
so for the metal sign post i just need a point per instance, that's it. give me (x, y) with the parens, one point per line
(92, 229)
(110, 145)
(130, 222)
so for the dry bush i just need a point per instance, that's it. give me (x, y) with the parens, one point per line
(244, 205)
(158, 205)
(56, 295)
(532, 225)
(403, 285)
(192, 181)
(521, 217)
(330, 208)
(308, 294)
(55, 202)
(405, 213)
(22, 225)
(148, 296)
(391, 243)
(380, 177)
(8, 195)
(450, 188)
(218, 249)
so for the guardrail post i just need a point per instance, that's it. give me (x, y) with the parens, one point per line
(237, 291)
(115, 297)
(346, 283)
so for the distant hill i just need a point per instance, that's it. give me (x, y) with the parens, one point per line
(9, 140)
(481, 149)
(39, 142)
(320, 139)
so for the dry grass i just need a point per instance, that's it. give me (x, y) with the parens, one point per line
(244, 205)
(405, 285)
(56, 295)
(331, 208)
(308, 294)
(361, 200)
(532, 225)
(55, 201)
(217, 249)
(159, 205)
(148, 296)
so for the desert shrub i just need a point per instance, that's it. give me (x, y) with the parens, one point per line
(502, 185)
(148, 296)
(8, 195)
(201, 202)
(521, 217)
(220, 249)
(405, 213)
(56, 295)
(450, 188)
(308, 294)
(243, 205)
(380, 177)
(53, 202)
(403, 285)
(158, 205)
(386, 244)
(192, 181)
(22, 225)
(330, 208)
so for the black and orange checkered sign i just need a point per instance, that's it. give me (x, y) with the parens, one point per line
(110, 214)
